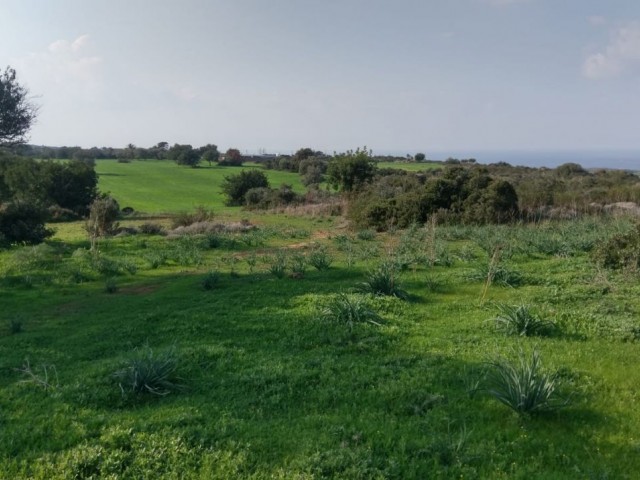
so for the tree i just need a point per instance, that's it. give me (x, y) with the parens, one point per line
(209, 153)
(23, 222)
(236, 186)
(184, 155)
(17, 113)
(232, 158)
(351, 170)
(420, 157)
(103, 214)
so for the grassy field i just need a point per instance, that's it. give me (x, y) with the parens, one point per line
(156, 186)
(411, 166)
(268, 385)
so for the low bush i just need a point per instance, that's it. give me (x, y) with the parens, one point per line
(200, 214)
(383, 280)
(146, 372)
(319, 258)
(211, 280)
(520, 320)
(620, 251)
(523, 385)
(349, 310)
(152, 229)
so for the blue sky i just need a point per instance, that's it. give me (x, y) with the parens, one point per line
(401, 75)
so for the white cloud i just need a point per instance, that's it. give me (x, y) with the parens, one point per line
(597, 20)
(64, 68)
(622, 54)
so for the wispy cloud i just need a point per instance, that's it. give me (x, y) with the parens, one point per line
(620, 55)
(65, 67)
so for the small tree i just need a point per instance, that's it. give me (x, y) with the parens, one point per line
(17, 114)
(232, 158)
(209, 153)
(23, 222)
(420, 157)
(351, 170)
(236, 186)
(103, 214)
(184, 155)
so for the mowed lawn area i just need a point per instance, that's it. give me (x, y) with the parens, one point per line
(161, 186)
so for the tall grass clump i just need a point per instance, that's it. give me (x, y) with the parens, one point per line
(349, 310)
(278, 264)
(146, 372)
(319, 258)
(210, 280)
(523, 385)
(520, 320)
(383, 280)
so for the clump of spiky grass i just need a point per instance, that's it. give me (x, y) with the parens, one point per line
(349, 310)
(319, 258)
(146, 372)
(520, 320)
(211, 280)
(383, 280)
(523, 385)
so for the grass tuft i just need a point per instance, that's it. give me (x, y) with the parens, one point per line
(148, 373)
(383, 280)
(520, 320)
(349, 310)
(523, 385)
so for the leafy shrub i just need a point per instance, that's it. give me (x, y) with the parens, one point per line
(149, 373)
(298, 265)
(620, 251)
(523, 385)
(23, 222)
(497, 274)
(110, 285)
(236, 186)
(152, 229)
(102, 218)
(210, 280)
(366, 235)
(278, 264)
(200, 214)
(383, 280)
(319, 258)
(519, 320)
(349, 310)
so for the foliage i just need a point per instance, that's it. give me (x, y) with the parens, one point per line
(351, 170)
(211, 280)
(348, 310)
(146, 372)
(383, 280)
(103, 214)
(17, 113)
(209, 153)
(520, 320)
(523, 385)
(232, 158)
(235, 187)
(23, 222)
(620, 251)
(200, 214)
(184, 155)
(319, 258)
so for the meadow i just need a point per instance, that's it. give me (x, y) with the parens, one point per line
(271, 349)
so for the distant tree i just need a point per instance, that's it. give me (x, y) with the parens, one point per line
(350, 171)
(232, 158)
(236, 186)
(570, 169)
(184, 155)
(209, 153)
(17, 113)
(420, 157)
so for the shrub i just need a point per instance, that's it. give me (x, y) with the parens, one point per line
(148, 373)
(523, 385)
(200, 214)
(620, 251)
(366, 235)
(23, 222)
(519, 320)
(15, 326)
(210, 280)
(349, 310)
(278, 264)
(110, 285)
(236, 186)
(102, 218)
(298, 265)
(383, 280)
(152, 229)
(319, 258)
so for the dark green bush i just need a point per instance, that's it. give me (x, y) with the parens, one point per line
(23, 222)
(620, 251)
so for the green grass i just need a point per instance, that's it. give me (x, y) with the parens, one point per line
(411, 166)
(155, 186)
(270, 389)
